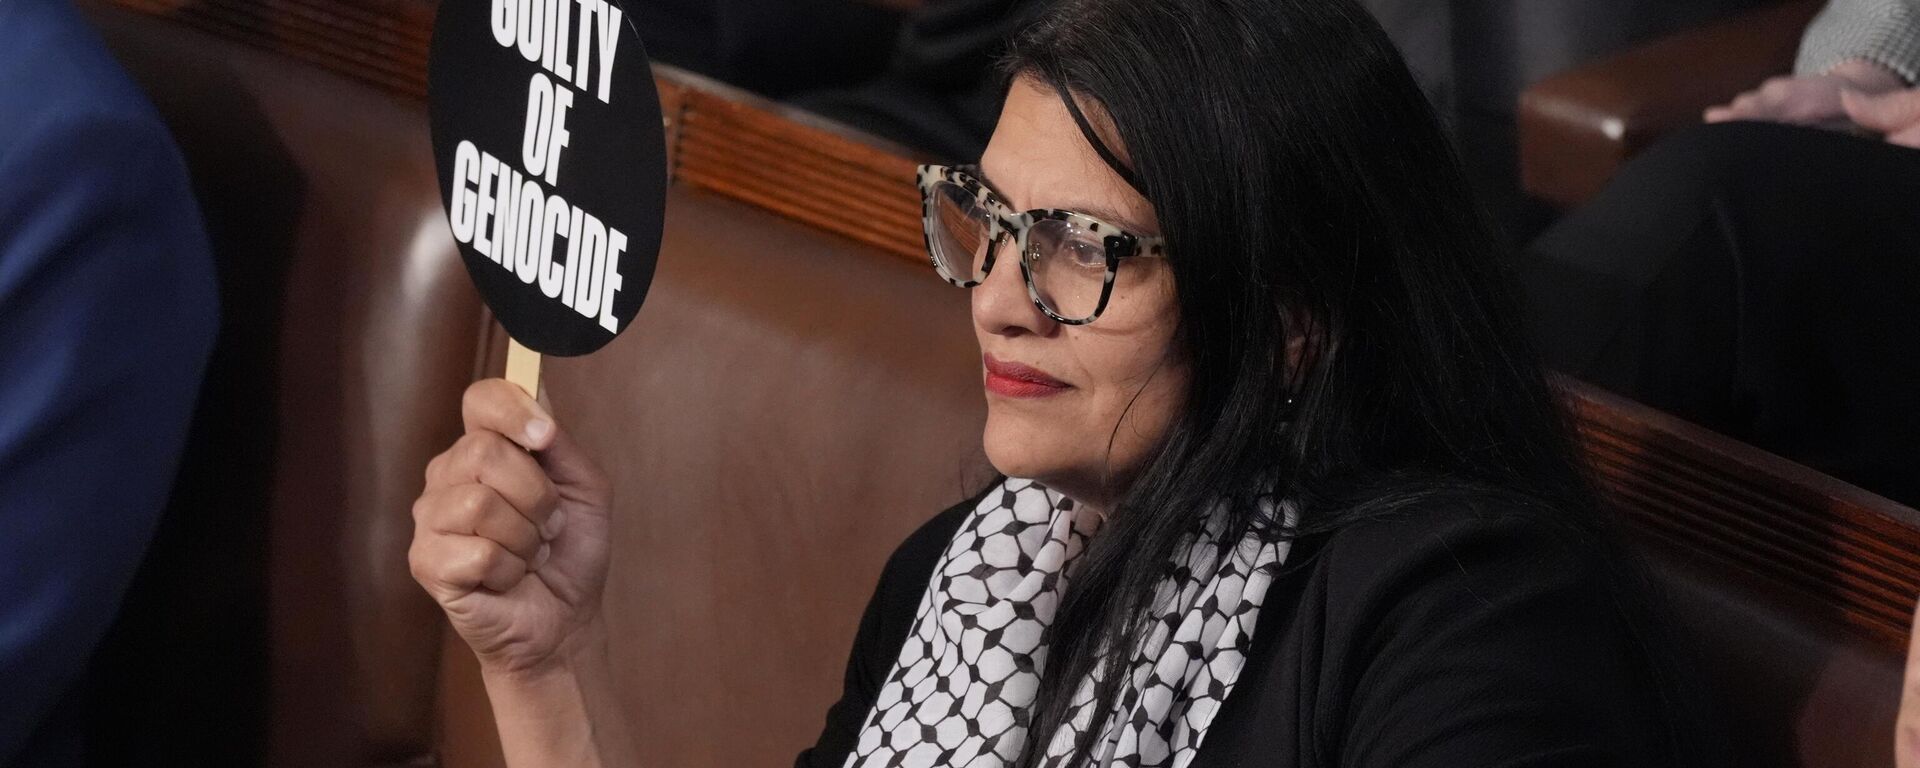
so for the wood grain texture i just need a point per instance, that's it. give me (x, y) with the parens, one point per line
(1794, 528)
(815, 175)
(382, 44)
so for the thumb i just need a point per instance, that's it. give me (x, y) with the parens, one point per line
(572, 469)
(1884, 112)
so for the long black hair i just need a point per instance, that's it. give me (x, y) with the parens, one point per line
(1297, 172)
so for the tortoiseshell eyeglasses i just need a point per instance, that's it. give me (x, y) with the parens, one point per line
(1068, 259)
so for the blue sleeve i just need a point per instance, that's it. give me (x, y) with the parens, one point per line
(107, 316)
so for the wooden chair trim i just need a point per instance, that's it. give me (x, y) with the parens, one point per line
(385, 45)
(1846, 548)
(793, 163)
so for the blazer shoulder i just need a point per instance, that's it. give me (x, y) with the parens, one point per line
(1478, 542)
(62, 66)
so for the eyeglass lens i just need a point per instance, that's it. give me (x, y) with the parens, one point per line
(1066, 262)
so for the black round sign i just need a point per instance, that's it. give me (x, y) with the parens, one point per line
(552, 161)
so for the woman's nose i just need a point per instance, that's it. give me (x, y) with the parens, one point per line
(1000, 302)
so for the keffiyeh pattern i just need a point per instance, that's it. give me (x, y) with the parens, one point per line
(962, 692)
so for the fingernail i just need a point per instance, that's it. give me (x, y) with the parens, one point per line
(554, 523)
(537, 430)
(540, 557)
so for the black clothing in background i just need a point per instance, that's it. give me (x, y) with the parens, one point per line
(941, 90)
(772, 47)
(1757, 279)
(1464, 633)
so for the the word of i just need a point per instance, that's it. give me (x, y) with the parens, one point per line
(513, 221)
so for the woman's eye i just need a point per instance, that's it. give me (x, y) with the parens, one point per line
(1086, 254)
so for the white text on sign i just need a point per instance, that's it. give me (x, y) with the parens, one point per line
(545, 32)
(505, 212)
(512, 220)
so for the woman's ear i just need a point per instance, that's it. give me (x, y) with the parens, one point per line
(1304, 337)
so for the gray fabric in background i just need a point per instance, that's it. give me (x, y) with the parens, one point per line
(1885, 32)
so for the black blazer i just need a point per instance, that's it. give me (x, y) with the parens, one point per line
(1449, 636)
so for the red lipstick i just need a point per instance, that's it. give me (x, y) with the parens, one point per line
(1017, 380)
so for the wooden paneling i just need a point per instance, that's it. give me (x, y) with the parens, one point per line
(819, 175)
(383, 44)
(1795, 528)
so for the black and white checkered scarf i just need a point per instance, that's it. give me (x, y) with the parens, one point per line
(962, 691)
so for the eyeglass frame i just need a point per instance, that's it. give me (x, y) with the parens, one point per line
(1003, 221)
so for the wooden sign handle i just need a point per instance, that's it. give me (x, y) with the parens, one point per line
(523, 367)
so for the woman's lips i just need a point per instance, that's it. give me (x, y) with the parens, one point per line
(1017, 380)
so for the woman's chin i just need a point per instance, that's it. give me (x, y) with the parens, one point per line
(1012, 462)
(1018, 452)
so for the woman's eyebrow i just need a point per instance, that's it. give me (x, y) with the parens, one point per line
(980, 172)
(1095, 210)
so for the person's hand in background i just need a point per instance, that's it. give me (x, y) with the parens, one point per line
(1808, 99)
(1894, 115)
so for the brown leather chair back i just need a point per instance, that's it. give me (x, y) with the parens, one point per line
(274, 621)
(789, 405)
(787, 408)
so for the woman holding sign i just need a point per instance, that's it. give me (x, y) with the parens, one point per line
(1284, 485)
